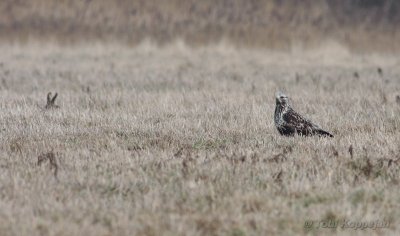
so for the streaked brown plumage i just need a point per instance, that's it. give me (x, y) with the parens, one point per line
(289, 122)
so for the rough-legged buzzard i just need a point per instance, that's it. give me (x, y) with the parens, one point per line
(288, 122)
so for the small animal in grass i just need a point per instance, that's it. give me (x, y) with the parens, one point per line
(50, 101)
(380, 71)
(289, 122)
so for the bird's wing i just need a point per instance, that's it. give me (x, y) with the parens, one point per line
(298, 122)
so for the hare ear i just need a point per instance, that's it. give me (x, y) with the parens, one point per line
(54, 98)
(49, 97)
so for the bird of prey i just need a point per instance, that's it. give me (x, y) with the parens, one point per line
(289, 122)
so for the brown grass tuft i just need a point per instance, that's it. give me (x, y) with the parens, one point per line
(51, 158)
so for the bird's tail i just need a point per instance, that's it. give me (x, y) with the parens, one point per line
(324, 133)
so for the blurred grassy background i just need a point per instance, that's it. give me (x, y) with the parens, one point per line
(361, 25)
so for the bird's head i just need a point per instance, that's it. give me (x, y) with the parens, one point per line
(281, 99)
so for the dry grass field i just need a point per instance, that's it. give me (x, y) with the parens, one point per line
(179, 141)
